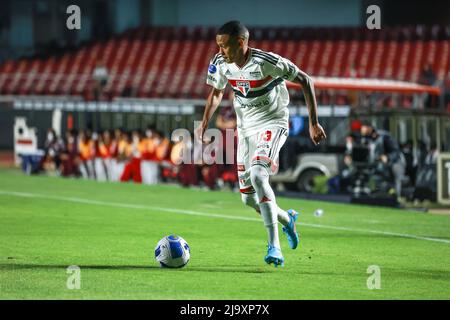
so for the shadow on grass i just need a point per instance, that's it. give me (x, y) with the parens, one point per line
(232, 269)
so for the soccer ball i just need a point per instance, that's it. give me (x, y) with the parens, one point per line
(172, 252)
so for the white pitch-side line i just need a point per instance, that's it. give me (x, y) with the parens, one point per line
(209, 215)
(126, 205)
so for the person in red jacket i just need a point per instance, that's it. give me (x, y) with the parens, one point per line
(132, 169)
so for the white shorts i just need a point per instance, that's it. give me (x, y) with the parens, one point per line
(262, 148)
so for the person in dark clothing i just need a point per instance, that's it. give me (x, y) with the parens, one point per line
(429, 78)
(385, 153)
(53, 148)
(411, 161)
(69, 157)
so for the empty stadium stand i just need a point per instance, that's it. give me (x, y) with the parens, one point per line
(170, 62)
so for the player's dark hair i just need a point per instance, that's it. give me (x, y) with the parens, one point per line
(233, 29)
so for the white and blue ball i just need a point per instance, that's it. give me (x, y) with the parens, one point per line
(172, 252)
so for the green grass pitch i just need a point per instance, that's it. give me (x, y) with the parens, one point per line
(110, 231)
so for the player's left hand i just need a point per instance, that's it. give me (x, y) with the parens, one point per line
(200, 131)
(317, 133)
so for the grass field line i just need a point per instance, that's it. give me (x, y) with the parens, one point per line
(210, 215)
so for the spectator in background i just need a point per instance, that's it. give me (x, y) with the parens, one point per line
(292, 147)
(70, 159)
(429, 78)
(171, 165)
(158, 147)
(100, 77)
(386, 153)
(421, 152)
(411, 161)
(53, 147)
(188, 173)
(432, 155)
(149, 166)
(162, 146)
(124, 154)
(342, 182)
(118, 135)
(210, 173)
(426, 181)
(149, 131)
(124, 150)
(226, 122)
(148, 146)
(106, 151)
(226, 119)
(86, 147)
(132, 169)
(116, 169)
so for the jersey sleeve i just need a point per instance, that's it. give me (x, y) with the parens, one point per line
(215, 76)
(284, 68)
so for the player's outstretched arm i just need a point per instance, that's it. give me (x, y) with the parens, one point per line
(212, 102)
(316, 131)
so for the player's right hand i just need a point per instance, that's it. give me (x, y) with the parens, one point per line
(317, 133)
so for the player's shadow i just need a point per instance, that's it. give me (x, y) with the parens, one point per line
(232, 269)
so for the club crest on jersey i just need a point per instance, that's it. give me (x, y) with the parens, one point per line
(267, 136)
(243, 86)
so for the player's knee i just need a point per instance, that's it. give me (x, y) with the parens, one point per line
(258, 175)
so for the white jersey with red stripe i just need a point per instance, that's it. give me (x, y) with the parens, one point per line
(261, 95)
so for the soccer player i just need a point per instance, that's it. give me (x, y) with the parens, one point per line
(261, 99)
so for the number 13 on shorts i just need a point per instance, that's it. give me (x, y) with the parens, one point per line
(261, 148)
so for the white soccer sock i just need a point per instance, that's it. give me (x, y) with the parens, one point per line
(283, 217)
(251, 200)
(267, 210)
(267, 204)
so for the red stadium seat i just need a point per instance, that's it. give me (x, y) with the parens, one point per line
(171, 62)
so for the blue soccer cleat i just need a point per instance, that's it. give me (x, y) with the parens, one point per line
(290, 230)
(274, 256)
